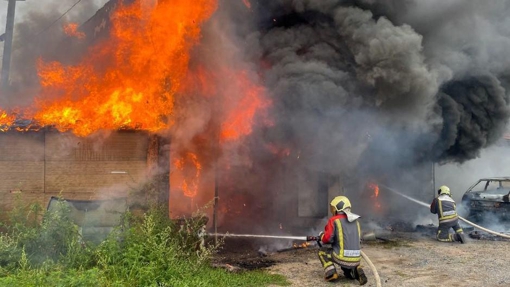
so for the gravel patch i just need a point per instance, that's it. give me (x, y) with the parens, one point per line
(410, 259)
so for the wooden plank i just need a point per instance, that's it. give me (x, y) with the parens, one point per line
(118, 146)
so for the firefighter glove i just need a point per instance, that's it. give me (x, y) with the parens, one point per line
(319, 238)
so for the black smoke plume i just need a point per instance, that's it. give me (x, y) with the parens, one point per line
(377, 89)
(475, 111)
(332, 60)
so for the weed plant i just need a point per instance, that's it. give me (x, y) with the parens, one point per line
(149, 250)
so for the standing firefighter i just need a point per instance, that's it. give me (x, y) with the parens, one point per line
(343, 233)
(445, 208)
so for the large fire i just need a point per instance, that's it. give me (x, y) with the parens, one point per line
(141, 78)
(129, 80)
(236, 97)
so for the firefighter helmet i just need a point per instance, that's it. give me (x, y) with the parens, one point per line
(444, 190)
(339, 203)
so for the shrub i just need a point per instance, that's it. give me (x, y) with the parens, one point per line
(53, 238)
(150, 250)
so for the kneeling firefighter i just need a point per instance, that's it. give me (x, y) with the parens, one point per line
(343, 233)
(445, 208)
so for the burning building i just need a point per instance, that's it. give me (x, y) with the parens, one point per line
(273, 107)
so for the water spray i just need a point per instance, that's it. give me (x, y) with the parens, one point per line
(304, 238)
(460, 217)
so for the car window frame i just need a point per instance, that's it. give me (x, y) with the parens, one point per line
(486, 185)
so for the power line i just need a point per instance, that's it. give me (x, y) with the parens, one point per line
(36, 35)
(56, 20)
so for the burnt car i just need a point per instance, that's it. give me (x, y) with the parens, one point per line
(488, 196)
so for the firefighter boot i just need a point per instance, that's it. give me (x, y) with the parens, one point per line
(348, 273)
(330, 273)
(359, 274)
(460, 237)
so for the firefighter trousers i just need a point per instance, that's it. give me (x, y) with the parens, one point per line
(443, 231)
(327, 260)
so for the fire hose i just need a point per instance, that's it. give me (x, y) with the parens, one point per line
(372, 267)
(460, 217)
(304, 238)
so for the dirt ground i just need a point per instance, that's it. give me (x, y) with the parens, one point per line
(403, 259)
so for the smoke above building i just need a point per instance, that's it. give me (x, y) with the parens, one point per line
(438, 90)
(362, 89)
(377, 90)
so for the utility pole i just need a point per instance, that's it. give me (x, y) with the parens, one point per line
(9, 30)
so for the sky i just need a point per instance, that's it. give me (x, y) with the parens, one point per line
(23, 8)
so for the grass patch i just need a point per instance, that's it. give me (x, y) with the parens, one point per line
(207, 276)
(148, 250)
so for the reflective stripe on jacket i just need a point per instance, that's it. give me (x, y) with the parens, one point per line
(344, 237)
(445, 208)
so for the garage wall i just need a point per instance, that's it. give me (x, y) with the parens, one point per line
(88, 165)
(21, 166)
(38, 165)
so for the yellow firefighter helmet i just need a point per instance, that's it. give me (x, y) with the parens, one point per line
(444, 190)
(339, 203)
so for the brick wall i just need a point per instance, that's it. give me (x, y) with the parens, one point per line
(37, 165)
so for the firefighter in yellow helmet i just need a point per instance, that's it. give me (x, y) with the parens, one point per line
(445, 208)
(343, 233)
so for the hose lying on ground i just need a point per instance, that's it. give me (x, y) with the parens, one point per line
(372, 267)
(484, 229)
(460, 217)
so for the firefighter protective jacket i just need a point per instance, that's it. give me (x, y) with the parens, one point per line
(344, 237)
(445, 208)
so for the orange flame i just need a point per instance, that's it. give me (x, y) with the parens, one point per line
(130, 80)
(241, 98)
(6, 120)
(71, 30)
(239, 121)
(302, 245)
(191, 167)
(375, 188)
(247, 3)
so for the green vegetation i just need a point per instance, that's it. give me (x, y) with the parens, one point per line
(150, 250)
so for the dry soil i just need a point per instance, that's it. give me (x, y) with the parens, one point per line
(407, 259)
